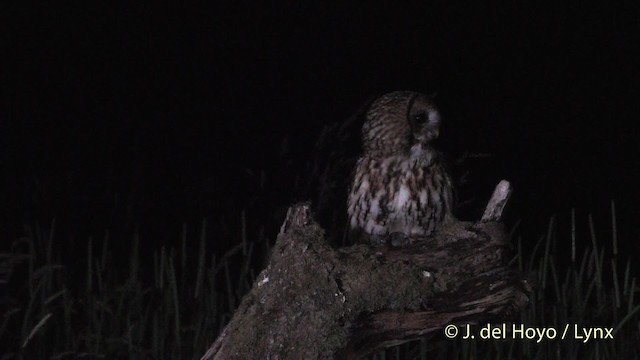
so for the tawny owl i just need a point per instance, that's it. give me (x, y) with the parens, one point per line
(400, 184)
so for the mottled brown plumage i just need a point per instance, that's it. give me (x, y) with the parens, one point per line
(400, 184)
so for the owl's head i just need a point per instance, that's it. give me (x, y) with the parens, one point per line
(397, 121)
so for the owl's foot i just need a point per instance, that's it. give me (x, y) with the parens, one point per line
(394, 239)
(377, 240)
(398, 239)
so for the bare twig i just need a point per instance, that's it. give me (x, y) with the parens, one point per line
(498, 201)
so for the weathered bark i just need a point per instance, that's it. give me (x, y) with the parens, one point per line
(313, 301)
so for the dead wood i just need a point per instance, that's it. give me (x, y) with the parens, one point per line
(313, 301)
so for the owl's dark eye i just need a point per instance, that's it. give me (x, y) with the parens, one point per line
(421, 118)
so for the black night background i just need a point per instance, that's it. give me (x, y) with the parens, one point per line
(143, 119)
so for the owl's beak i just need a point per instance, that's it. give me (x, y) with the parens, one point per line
(433, 133)
(428, 134)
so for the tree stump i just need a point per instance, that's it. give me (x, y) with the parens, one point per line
(313, 301)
